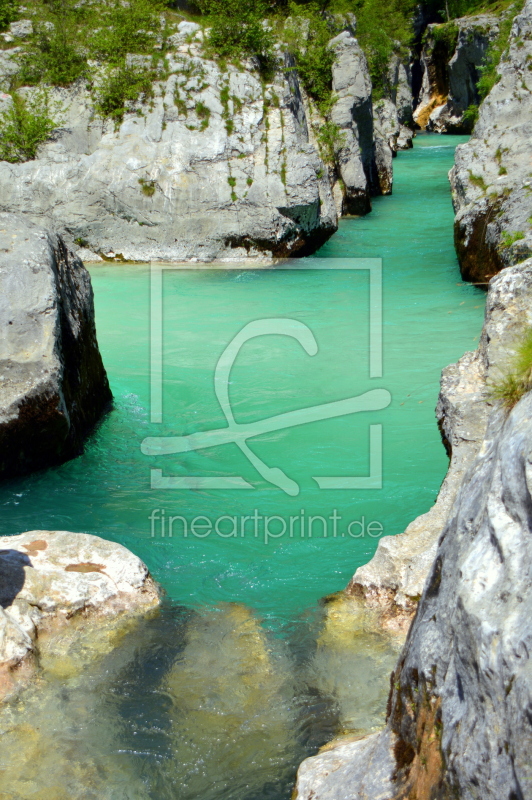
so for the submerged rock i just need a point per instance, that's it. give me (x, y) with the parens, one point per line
(351, 664)
(231, 712)
(53, 386)
(491, 181)
(49, 577)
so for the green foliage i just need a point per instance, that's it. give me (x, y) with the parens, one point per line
(24, 126)
(8, 12)
(330, 141)
(508, 239)
(55, 55)
(123, 85)
(308, 37)
(231, 181)
(496, 51)
(237, 29)
(446, 35)
(478, 181)
(179, 102)
(470, 116)
(383, 28)
(147, 187)
(131, 27)
(204, 113)
(518, 381)
(53, 59)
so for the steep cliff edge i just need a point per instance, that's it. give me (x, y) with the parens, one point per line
(459, 711)
(451, 58)
(53, 386)
(217, 162)
(492, 178)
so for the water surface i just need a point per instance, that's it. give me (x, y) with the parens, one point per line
(240, 676)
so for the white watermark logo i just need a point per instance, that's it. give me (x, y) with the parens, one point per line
(265, 527)
(239, 434)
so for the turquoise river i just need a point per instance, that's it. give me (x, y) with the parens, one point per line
(244, 672)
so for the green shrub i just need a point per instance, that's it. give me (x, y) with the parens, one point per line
(8, 12)
(447, 36)
(122, 85)
(383, 28)
(204, 114)
(509, 390)
(470, 116)
(147, 187)
(236, 29)
(24, 126)
(330, 140)
(308, 37)
(123, 28)
(496, 51)
(53, 57)
(478, 181)
(508, 239)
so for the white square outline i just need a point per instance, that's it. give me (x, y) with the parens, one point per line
(373, 265)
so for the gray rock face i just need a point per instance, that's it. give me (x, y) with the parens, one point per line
(491, 180)
(358, 770)
(352, 113)
(47, 577)
(459, 711)
(216, 165)
(53, 385)
(450, 78)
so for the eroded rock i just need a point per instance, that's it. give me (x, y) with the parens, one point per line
(48, 577)
(491, 180)
(53, 386)
(458, 721)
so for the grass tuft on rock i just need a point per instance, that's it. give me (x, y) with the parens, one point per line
(511, 388)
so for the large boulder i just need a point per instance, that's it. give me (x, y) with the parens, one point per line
(491, 181)
(53, 385)
(48, 578)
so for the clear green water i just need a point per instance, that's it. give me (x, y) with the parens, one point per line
(430, 319)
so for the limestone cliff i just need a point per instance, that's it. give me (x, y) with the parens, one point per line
(491, 180)
(53, 385)
(451, 58)
(217, 164)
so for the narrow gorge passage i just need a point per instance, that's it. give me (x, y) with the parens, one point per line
(255, 677)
